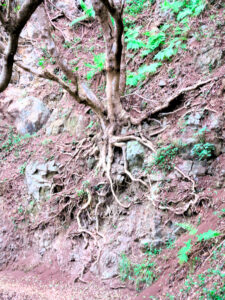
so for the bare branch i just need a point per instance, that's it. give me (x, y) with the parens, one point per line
(9, 8)
(2, 19)
(14, 27)
(80, 92)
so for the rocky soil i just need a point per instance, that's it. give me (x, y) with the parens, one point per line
(48, 160)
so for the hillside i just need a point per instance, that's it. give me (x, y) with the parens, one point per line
(130, 211)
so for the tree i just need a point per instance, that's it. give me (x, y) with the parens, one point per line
(111, 114)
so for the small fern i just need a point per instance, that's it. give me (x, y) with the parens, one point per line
(190, 228)
(134, 78)
(88, 13)
(98, 66)
(182, 254)
(207, 235)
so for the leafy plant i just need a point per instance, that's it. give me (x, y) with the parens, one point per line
(164, 156)
(205, 236)
(182, 253)
(125, 268)
(98, 66)
(155, 40)
(203, 150)
(190, 228)
(23, 168)
(13, 140)
(171, 49)
(185, 8)
(135, 7)
(140, 274)
(131, 35)
(88, 13)
(144, 274)
(133, 78)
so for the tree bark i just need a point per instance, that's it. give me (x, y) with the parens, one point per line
(13, 27)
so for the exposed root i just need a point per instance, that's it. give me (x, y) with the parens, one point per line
(123, 146)
(136, 121)
(126, 138)
(108, 173)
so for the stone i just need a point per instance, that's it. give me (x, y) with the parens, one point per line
(157, 176)
(209, 59)
(194, 119)
(186, 166)
(67, 120)
(199, 168)
(38, 178)
(162, 83)
(108, 264)
(135, 154)
(30, 114)
(91, 162)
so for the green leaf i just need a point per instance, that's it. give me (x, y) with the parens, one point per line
(89, 13)
(77, 20)
(135, 44)
(182, 254)
(190, 228)
(184, 13)
(208, 235)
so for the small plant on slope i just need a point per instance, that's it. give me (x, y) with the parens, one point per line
(203, 150)
(98, 66)
(205, 236)
(88, 13)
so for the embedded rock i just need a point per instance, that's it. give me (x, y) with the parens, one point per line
(38, 177)
(30, 114)
(135, 154)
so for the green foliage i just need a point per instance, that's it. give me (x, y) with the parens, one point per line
(135, 7)
(98, 66)
(131, 35)
(22, 168)
(201, 282)
(13, 140)
(182, 253)
(133, 78)
(171, 49)
(185, 8)
(81, 193)
(144, 274)
(3, 3)
(41, 62)
(203, 150)
(140, 274)
(207, 235)
(190, 228)
(164, 156)
(88, 13)
(154, 41)
(166, 42)
(125, 268)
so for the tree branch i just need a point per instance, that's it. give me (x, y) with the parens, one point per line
(14, 27)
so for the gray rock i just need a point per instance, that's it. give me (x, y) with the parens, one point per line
(157, 176)
(66, 120)
(162, 83)
(210, 59)
(135, 154)
(186, 166)
(91, 162)
(194, 119)
(30, 114)
(38, 178)
(199, 168)
(108, 264)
